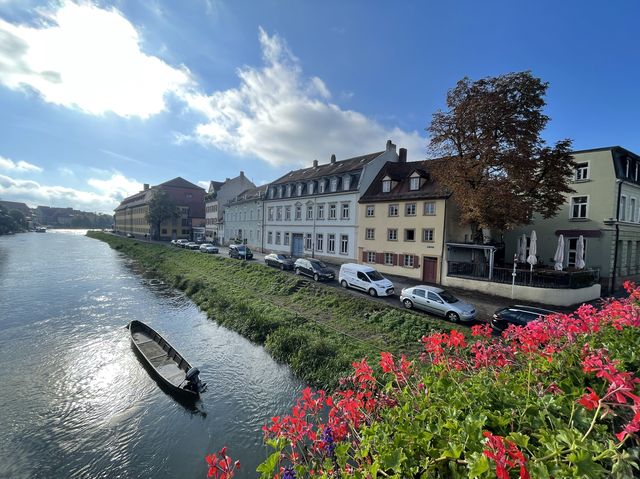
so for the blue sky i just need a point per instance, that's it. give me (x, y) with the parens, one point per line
(97, 98)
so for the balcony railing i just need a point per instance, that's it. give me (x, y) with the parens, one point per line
(538, 278)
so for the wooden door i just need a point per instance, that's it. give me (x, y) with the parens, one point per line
(429, 269)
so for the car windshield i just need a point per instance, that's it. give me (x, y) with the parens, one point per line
(448, 297)
(282, 256)
(375, 276)
(318, 264)
(240, 248)
(207, 245)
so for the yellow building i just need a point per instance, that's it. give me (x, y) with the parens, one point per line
(401, 222)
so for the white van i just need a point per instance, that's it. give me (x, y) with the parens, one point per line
(364, 278)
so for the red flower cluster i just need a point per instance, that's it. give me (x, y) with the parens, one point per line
(506, 455)
(221, 466)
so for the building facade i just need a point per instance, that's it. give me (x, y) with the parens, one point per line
(402, 222)
(130, 215)
(243, 218)
(314, 211)
(604, 210)
(218, 195)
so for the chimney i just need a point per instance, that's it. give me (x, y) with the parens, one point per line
(315, 163)
(242, 174)
(390, 146)
(402, 156)
(145, 187)
(333, 158)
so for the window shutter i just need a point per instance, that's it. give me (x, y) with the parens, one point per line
(416, 261)
(364, 256)
(379, 258)
(395, 259)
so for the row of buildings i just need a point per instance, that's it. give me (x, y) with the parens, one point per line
(55, 217)
(382, 210)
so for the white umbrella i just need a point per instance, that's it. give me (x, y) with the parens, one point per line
(559, 256)
(531, 259)
(580, 253)
(523, 249)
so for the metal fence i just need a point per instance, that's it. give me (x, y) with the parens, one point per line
(537, 278)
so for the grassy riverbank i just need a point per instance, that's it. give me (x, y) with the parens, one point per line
(318, 331)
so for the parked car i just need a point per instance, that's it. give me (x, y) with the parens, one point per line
(281, 261)
(518, 315)
(181, 242)
(438, 301)
(208, 248)
(364, 278)
(240, 251)
(130, 235)
(192, 245)
(314, 268)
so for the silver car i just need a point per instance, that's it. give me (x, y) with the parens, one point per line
(208, 248)
(438, 301)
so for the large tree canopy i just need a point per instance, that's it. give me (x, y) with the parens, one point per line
(161, 208)
(499, 169)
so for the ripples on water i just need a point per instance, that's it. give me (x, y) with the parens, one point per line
(75, 400)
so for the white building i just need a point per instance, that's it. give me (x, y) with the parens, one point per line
(314, 211)
(243, 218)
(218, 195)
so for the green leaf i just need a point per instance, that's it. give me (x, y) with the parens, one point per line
(478, 465)
(267, 467)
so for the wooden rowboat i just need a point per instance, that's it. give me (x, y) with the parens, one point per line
(170, 368)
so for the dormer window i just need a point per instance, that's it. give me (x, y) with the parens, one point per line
(386, 186)
(288, 190)
(334, 184)
(280, 191)
(414, 183)
(346, 184)
(299, 189)
(321, 185)
(310, 187)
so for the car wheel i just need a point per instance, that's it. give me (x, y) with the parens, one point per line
(343, 283)
(453, 317)
(316, 278)
(297, 271)
(372, 293)
(281, 267)
(407, 303)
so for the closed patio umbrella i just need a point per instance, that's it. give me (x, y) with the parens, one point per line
(559, 256)
(531, 259)
(580, 253)
(522, 258)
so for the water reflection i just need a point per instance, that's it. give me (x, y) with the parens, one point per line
(77, 402)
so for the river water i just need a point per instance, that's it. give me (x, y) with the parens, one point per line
(75, 401)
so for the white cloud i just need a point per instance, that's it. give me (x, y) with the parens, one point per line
(19, 166)
(88, 58)
(64, 171)
(203, 184)
(278, 115)
(104, 196)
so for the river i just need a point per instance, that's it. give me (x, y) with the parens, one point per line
(75, 401)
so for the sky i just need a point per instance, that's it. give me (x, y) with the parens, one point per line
(97, 98)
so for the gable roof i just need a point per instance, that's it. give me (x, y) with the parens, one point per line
(401, 173)
(180, 182)
(328, 169)
(251, 194)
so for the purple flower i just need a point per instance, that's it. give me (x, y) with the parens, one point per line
(327, 438)
(288, 473)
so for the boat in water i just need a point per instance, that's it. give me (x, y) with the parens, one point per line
(171, 369)
(41, 229)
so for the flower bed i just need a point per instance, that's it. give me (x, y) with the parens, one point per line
(558, 398)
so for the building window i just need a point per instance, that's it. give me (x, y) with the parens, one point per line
(427, 235)
(298, 212)
(632, 210)
(344, 244)
(320, 215)
(410, 209)
(579, 206)
(309, 212)
(286, 239)
(386, 186)
(371, 211)
(393, 210)
(371, 257)
(332, 212)
(582, 171)
(164, 231)
(307, 241)
(344, 215)
(279, 213)
(409, 235)
(334, 184)
(429, 208)
(319, 242)
(346, 184)
(622, 214)
(270, 214)
(408, 260)
(310, 188)
(277, 237)
(388, 259)
(573, 246)
(287, 213)
(270, 237)
(300, 189)
(321, 186)
(370, 233)
(331, 243)
(392, 234)
(288, 190)
(414, 184)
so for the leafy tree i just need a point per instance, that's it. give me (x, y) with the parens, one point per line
(498, 168)
(161, 208)
(18, 219)
(7, 223)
